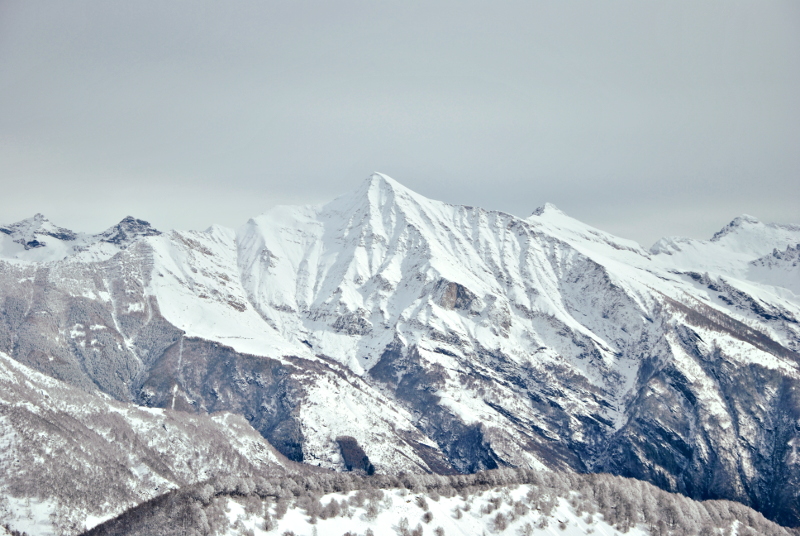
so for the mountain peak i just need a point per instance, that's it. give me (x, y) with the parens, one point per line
(34, 222)
(380, 184)
(735, 224)
(29, 231)
(547, 208)
(381, 179)
(128, 230)
(746, 218)
(374, 193)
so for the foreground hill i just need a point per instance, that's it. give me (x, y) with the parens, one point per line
(518, 502)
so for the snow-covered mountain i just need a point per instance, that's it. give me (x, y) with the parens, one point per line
(438, 338)
(39, 240)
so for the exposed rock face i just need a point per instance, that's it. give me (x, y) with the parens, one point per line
(352, 324)
(127, 231)
(415, 386)
(203, 377)
(444, 338)
(780, 268)
(455, 296)
(355, 459)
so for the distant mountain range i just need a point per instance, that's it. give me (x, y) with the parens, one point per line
(388, 332)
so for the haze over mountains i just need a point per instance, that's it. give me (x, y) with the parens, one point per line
(429, 337)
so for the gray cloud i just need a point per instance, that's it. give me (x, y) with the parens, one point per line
(639, 118)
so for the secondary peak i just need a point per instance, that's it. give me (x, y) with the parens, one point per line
(547, 208)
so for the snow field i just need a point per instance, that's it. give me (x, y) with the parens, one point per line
(455, 516)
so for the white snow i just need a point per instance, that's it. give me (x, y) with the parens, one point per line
(198, 290)
(398, 507)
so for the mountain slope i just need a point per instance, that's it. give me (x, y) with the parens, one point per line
(71, 459)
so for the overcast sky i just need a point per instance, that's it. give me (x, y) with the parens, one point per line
(642, 118)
